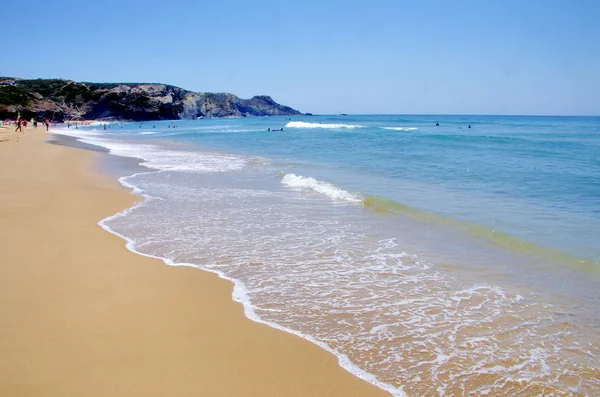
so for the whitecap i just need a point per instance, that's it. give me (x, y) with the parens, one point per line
(304, 124)
(400, 128)
(324, 188)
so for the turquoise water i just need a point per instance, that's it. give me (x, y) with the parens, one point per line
(536, 178)
(432, 260)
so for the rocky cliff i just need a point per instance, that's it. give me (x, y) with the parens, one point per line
(64, 99)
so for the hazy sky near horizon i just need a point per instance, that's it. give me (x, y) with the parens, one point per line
(378, 56)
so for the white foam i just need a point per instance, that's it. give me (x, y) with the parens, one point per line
(148, 132)
(304, 124)
(192, 161)
(157, 158)
(400, 128)
(455, 324)
(79, 133)
(240, 294)
(324, 188)
(423, 330)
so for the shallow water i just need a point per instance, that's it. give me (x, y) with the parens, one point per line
(431, 260)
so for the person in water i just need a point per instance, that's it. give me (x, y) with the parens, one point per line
(469, 125)
(437, 124)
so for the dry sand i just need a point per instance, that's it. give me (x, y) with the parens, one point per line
(7, 133)
(82, 316)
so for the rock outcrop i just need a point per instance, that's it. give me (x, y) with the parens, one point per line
(64, 99)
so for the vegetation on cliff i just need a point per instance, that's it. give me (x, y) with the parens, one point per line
(58, 100)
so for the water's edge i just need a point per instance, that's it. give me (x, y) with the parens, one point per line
(239, 294)
(415, 296)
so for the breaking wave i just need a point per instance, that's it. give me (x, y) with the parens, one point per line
(304, 124)
(400, 128)
(324, 188)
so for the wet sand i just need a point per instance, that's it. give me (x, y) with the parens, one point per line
(80, 315)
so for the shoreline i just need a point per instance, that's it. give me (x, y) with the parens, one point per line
(84, 316)
(115, 165)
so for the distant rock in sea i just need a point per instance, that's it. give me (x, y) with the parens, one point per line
(58, 100)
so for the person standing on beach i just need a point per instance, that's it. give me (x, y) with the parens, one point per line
(47, 124)
(18, 126)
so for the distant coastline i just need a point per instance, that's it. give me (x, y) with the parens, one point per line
(60, 100)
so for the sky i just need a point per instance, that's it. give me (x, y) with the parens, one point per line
(325, 56)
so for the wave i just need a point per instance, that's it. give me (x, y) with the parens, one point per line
(240, 293)
(324, 188)
(304, 124)
(79, 133)
(178, 160)
(148, 132)
(154, 157)
(405, 312)
(400, 128)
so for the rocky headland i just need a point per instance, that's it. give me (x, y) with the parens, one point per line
(59, 100)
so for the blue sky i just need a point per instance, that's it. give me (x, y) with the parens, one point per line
(377, 56)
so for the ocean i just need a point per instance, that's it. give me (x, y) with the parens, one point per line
(432, 260)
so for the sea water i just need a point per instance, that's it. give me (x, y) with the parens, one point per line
(432, 260)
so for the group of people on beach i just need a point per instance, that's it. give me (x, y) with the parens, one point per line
(20, 123)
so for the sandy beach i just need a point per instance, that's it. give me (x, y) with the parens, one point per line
(80, 315)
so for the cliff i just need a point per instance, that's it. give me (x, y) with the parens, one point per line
(58, 100)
